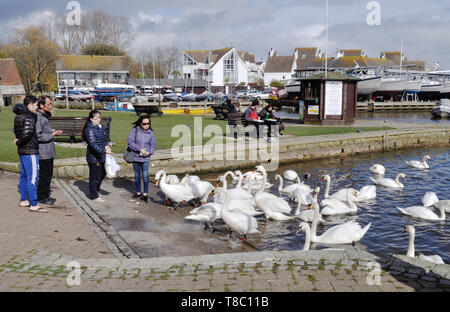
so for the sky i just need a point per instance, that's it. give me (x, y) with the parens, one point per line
(257, 26)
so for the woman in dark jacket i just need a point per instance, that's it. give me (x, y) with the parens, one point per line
(270, 120)
(97, 149)
(141, 141)
(28, 150)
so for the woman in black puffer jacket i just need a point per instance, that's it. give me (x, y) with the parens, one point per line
(96, 153)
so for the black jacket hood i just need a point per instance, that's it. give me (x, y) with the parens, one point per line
(20, 109)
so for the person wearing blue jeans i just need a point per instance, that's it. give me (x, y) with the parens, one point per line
(141, 141)
(28, 150)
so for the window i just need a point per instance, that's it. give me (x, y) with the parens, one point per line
(188, 60)
(229, 72)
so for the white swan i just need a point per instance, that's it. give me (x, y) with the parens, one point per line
(377, 169)
(305, 227)
(290, 188)
(333, 206)
(237, 221)
(236, 193)
(429, 199)
(366, 193)
(339, 195)
(389, 182)
(445, 204)
(345, 233)
(172, 179)
(306, 214)
(209, 212)
(199, 188)
(267, 201)
(177, 193)
(419, 164)
(411, 251)
(423, 213)
(290, 175)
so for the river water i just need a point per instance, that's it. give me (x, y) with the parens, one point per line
(422, 117)
(385, 233)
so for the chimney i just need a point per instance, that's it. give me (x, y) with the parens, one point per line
(271, 52)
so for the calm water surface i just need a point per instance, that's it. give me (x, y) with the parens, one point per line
(385, 233)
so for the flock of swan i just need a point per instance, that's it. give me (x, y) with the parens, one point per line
(239, 206)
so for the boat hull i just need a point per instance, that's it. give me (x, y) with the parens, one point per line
(368, 86)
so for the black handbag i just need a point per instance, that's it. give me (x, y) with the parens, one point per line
(128, 155)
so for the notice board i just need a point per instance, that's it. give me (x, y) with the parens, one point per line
(333, 98)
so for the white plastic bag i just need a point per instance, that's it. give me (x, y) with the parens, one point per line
(111, 166)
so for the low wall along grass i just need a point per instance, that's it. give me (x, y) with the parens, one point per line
(121, 125)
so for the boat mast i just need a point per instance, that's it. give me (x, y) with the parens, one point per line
(142, 71)
(326, 39)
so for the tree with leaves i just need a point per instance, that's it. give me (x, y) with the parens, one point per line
(35, 56)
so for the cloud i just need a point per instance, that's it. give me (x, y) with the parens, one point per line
(258, 25)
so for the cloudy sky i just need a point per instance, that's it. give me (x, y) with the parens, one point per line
(258, 25)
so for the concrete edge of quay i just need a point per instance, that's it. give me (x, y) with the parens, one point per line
(199, 160)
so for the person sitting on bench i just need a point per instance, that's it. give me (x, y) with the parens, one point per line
(270, 120)
(251, 116)
(230, 107)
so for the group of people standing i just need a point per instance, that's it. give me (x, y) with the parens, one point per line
(36, 148)
(141, 142)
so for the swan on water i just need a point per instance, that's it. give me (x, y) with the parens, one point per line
(366, 193)
(429, 199)
(306, 214)
(290, 188)
(423, 213)
(445, 204)
(236, 193)
(346, 233)
(389, 182)
(377, 169)
(419, 164)
(305, 228)
(266, 201)
(237, 221)
(333, 206)
(411, 251)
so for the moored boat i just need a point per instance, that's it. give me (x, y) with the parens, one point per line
(442, 110)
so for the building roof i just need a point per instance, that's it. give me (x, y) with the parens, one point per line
(351, 52)
(279, 64)
(305, 56)
(330, 76)
(91, 62)
(201, 56)
(246, 57)
(8, 73)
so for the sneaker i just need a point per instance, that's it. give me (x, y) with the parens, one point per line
(99, 200)
(47, 201)
(145, 198)
(136, 195)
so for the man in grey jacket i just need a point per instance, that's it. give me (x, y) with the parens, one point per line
(47, 153)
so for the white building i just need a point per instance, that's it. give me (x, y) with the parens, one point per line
(279, 68)
(220, 67)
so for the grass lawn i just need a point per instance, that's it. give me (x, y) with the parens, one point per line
(163, 127)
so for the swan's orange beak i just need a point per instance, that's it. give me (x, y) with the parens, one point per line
(211, 194)
(308, 207)
(322, 179)
(157, 182)
(255, 170)
(404, 178)
(243, 178)
(217, 183)
(356, 194)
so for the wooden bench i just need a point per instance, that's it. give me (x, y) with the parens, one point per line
(73, 126)
(221, 111)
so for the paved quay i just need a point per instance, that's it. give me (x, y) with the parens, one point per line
(81, 246)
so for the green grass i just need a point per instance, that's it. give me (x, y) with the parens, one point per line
(163, 127)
